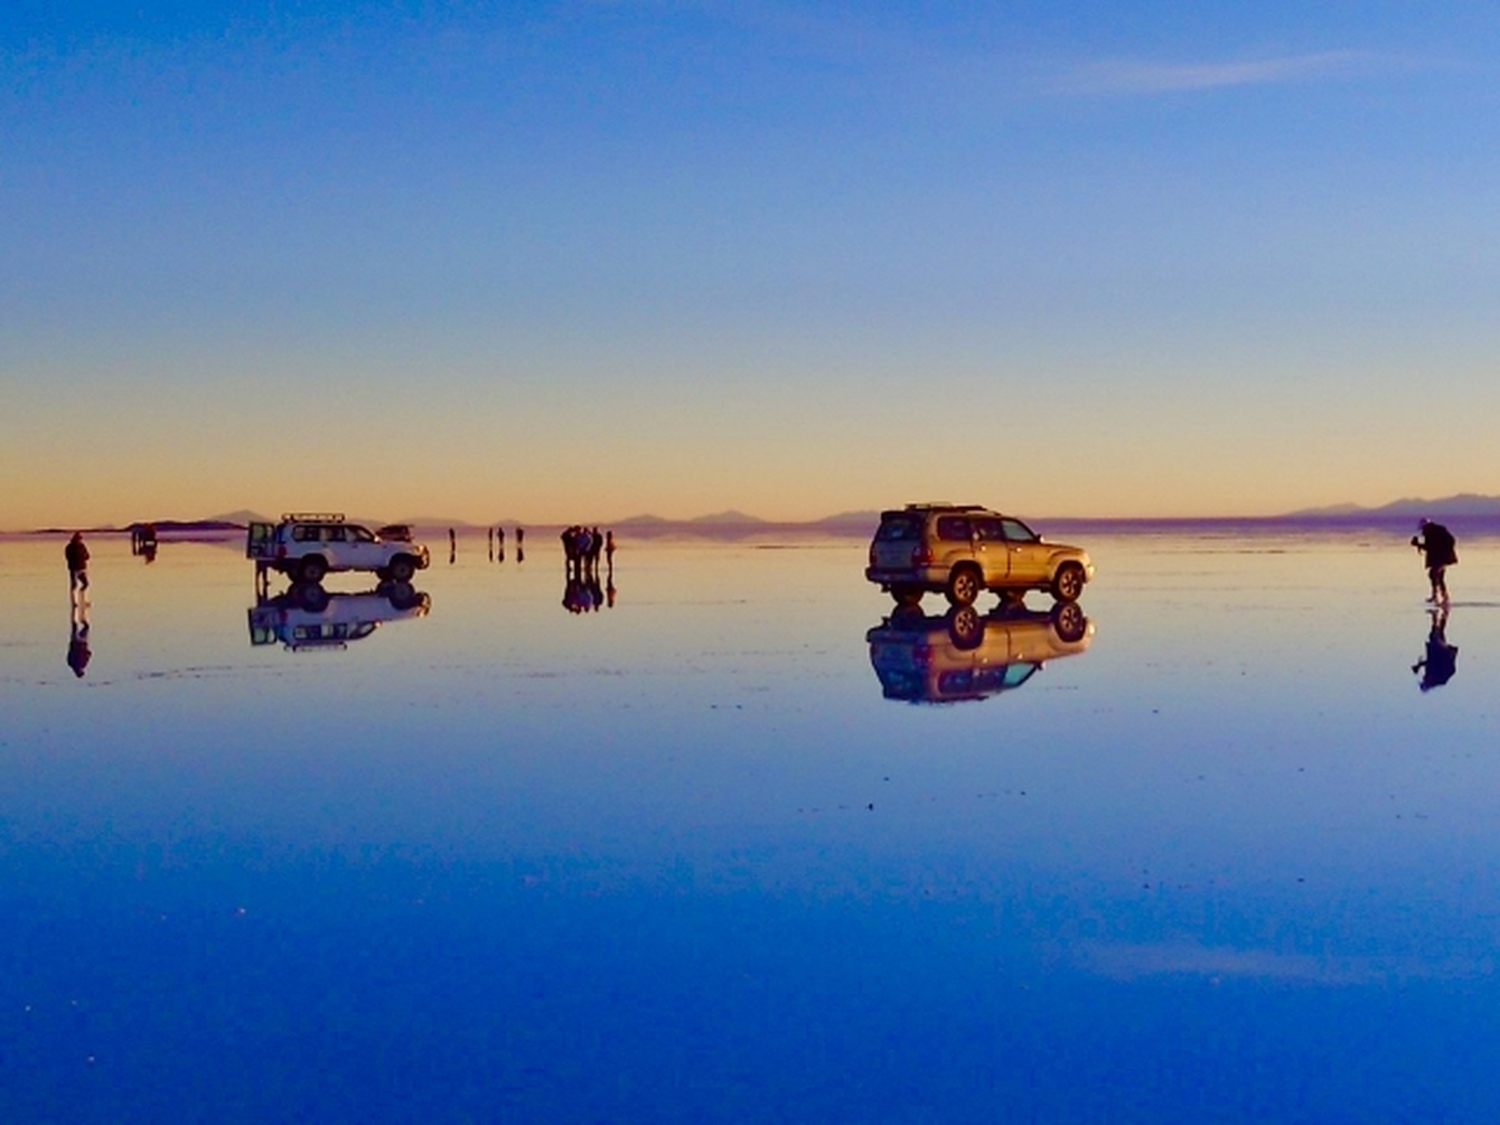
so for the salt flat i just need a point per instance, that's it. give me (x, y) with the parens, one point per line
(680, 859)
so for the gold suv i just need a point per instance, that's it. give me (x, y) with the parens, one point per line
(963, 549)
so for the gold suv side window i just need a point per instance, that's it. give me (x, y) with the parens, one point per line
(954, 529)
(1018, 532)
(988, 530)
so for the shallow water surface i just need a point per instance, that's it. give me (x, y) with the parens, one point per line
(720, 852)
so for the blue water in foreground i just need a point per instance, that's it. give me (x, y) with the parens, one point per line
(681, 860)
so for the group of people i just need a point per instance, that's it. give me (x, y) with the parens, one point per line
(583, 547)
(495, 536)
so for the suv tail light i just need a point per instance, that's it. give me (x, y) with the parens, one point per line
(922, 556)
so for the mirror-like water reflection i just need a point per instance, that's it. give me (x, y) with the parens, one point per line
(689, 863)
(966, 654)
(306, 616)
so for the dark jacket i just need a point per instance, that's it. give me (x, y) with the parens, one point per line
(1438, 545)
(76, 554)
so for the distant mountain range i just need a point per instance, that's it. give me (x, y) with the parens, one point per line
(736, 519)
(1463, 506)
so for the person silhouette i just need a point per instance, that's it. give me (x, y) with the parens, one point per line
(1440, 661)
(1439, 553)
(77, 556)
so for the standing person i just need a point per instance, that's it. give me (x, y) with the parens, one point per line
(520, 536)
(1440, 552)
(609, 548)
(78, 567)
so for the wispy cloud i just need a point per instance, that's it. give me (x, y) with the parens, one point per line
(1133, 962)
(1131, 76)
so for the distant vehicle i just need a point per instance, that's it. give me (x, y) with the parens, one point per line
(307, 545)
(962, 550)
(309, 617)
(965, 655)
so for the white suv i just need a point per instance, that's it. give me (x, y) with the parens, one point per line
(307, 546)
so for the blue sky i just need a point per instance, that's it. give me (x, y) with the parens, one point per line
(583, 260)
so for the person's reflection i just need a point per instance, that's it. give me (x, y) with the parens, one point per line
(78, 641)
(1440, 662)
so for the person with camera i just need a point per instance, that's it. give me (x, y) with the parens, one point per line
(1439, 550)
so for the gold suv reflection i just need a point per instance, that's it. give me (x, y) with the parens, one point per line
(968, 655)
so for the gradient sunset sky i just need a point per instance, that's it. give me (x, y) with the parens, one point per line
(584, 260)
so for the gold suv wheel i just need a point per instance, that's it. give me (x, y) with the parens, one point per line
(964, 586)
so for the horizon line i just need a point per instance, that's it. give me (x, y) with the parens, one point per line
(1330, 514)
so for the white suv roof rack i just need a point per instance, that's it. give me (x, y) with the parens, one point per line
(312, 517)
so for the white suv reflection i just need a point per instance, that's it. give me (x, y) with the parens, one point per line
(309, 617)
